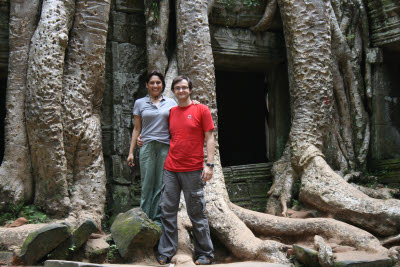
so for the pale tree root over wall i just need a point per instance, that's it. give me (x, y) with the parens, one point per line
(15, 171)
(64, 88)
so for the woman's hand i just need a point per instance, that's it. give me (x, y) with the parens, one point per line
(131, 160)
(139, 141)
(195, 102)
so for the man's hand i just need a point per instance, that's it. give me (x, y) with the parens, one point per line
(139, 141)
(207, 173)
(131, 160)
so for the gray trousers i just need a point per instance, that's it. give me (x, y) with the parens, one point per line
(192, 185)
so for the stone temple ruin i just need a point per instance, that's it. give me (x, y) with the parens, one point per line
(252, 95)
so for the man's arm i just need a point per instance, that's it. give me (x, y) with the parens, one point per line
(210, 146)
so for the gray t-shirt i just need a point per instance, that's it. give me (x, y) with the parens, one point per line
(155, 125)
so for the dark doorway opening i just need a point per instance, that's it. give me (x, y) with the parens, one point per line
(242, 113)
(3, 87)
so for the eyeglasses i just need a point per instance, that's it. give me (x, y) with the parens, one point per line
(183, 88)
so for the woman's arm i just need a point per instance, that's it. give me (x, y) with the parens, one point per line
(135, 133)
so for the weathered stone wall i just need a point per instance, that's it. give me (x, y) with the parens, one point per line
(385, 131)
(385, 23)
(248, 185)
(126, 69)
(4, 16)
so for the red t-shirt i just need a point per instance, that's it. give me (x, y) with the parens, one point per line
(187, 126)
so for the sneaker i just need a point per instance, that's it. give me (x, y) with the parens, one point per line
(162, 259)
(202, 260)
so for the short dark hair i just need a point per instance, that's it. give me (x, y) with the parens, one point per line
(179, 79)
(159, 75)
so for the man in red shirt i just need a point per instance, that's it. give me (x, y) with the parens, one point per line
(184, 170)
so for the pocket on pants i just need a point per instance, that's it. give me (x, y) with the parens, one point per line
(198, 203)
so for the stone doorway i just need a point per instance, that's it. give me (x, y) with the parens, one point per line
(242, 116)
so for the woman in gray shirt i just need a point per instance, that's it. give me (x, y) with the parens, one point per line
(151, 115)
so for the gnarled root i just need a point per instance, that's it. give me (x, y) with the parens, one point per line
(280, 192)
(325, 253)
(299, 229)
(184, 254)
(381, 193)
(238, 238)
(266, 20)
(327, 191)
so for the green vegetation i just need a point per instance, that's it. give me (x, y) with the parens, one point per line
(112, 253)
(30, 212)
(153, 6)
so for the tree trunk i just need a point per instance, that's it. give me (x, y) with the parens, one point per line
(83, 87)
(15, 171)
(64, 93)
(43, 106)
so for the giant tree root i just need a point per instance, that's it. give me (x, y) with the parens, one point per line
(325, 190)
(280, 192)
(184, 254)
(232, 231)
(295, 230)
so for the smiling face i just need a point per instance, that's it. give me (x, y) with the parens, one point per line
(155, 86)
(181, 90)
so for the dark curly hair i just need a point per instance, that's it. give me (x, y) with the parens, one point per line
(159, 75)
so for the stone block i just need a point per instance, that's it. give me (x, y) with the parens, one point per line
(359, 258)
(126, 118)
(307, 256)
(130, 6)
(96, 250)
(39, 243)
(389, 170)
(238, 192)
(385, 142)
(6, 258)
(238, 49)
(237, 13)
(135, 234)
(4, 46)
(384, 23)
(12, 238)
(128, 28)
(382, 108)
(107, 134)
(248, 185)
(83, 232)
(63, 251)
(61, 263)
(128, 58)
(121, 198)
(119, 175)
(374, 55)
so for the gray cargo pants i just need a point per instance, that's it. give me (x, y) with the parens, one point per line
(192, 185)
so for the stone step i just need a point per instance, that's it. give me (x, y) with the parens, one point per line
(56, 263)
(361, 259)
